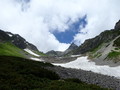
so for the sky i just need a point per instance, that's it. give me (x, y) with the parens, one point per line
(55, 24)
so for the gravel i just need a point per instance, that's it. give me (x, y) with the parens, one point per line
(88, 77)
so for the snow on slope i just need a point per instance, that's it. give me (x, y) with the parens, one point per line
(85, 64)
(30, 52)
(36, 59)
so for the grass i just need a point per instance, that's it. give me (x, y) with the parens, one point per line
(117, 42)
(93, 53)
(9, 49)
(113, 54)
(21, 74)
(117, 48)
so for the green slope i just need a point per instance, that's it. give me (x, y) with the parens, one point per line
(9, 49)
(22, 74)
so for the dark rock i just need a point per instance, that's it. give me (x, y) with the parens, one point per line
(54, 53)
(17, 40)
(72, 47)
(22, 43)
(117, 26)
(4, 36)
(59, 54)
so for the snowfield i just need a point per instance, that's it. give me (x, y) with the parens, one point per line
(85, 64)
(30, 52)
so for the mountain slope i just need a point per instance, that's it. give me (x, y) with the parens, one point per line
(15, 45)
(104, 48)
(65, 53)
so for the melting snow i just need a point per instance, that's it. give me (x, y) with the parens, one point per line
(36, 59)
(85, 64)
(29, 51)
(10, 35)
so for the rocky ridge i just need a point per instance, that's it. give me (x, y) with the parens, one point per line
(17, 40)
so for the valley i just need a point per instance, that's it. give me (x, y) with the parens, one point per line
(94, 62)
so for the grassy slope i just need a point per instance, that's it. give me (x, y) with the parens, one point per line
(93, 54)
(9, 49)
(22, 74)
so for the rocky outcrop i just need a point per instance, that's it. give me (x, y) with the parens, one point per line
(66, 52)
(20, 42)
(17, 40)
(4, 36)
(117, 26)
(54, 53)
(93, 43)
(71, 47)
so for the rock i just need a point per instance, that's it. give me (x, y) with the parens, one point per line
(70, 48)
(88, 77)
(91, 44)
(4, 36)
(17, 40)
(60, 54)
(117, 26)
(54, 53)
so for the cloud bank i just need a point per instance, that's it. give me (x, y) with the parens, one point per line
(36, 20)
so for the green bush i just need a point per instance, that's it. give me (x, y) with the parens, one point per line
(117, 42)
(113, 54)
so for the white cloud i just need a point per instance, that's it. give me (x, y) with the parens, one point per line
(39, 18)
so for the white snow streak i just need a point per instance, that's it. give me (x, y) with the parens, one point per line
(36, 59)
(30, 52)
(85, 64)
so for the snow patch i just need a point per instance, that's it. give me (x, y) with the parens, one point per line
(10, 35)
(85, 64)
(75, 55)
(30, 52)
(36, 59)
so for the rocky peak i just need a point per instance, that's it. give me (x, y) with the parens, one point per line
(73, 46)
(117, 26)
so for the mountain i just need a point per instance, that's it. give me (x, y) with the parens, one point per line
(20, 42)
(54, 53)
(104, 48)
(66, 52)
(17, 72)
(15, 45)
(70, 48)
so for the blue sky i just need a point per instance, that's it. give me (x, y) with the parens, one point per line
(74, 28)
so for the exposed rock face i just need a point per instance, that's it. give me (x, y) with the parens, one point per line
(58, 53)
(22, 43)
(71, 47)
(104, 37)
(91, 44)
(117, 26)
(54, 53)
(4, 36)
(17, 40)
